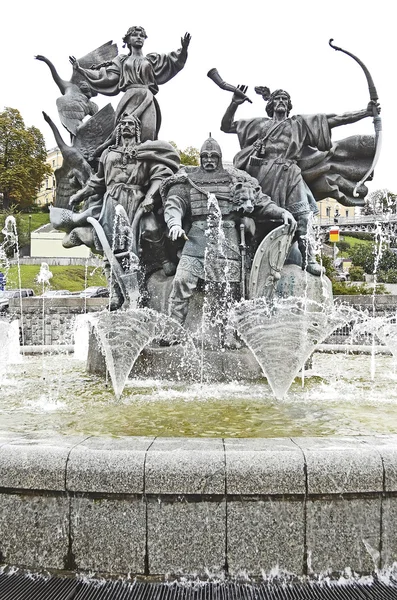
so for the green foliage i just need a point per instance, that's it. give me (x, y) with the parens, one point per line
(388, 261)
(380, 202)
(22, 160)
(355, 238)
(70, 278)
(364, 256)
(328, 265)
(190, 156)
(340, 288)
(356, 273)
(389, 276)
(343, 246)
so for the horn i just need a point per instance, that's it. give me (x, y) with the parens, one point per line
(216, 78)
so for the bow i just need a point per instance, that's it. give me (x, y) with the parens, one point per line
(375, 112)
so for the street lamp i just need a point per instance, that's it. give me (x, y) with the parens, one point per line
(29, 228)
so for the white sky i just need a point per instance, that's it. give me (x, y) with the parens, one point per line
(279, 44)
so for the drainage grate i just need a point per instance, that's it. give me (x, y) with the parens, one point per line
(20, 586)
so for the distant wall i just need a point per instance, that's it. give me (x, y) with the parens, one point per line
(60, 313)
(49, 244)
(52, 323)
(382, 305)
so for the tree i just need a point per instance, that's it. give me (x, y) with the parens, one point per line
(22, 160)
(380, 202)
(190, 156)
(364, 256)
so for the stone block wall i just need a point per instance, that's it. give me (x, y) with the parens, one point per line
(199, 507)
(52, 323)
(49, 321)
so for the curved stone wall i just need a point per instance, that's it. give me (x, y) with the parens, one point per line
(187, 506)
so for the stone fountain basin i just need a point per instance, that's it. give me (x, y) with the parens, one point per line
(206, 507)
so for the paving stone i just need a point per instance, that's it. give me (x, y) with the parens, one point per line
(186, 537)
(389, 533)
(386, 445)
(343, 533)
(36, 463)
(263, 535)
(111, 465)
(341, 465)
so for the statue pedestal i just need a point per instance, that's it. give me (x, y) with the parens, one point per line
(170, 363)
(300, 284)
(211, 362)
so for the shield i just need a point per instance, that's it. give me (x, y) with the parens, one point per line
(268, 261)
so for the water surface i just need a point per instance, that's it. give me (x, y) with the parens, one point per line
(55, 395)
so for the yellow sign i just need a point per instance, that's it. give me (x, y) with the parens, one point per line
(334, 234)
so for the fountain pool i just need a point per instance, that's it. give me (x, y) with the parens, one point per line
(54, 394)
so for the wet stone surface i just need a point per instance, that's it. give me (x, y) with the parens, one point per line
(34, 531)
(186, 537)
(343, 533)
(264, 535)
(109, 536)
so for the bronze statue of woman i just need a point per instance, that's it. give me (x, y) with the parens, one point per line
(138, 76)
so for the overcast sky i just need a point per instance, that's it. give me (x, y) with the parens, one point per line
(277, 44)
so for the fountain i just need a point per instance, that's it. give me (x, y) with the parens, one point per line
(214, 285)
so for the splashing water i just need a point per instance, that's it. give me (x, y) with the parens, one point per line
(283, 336)
(384, 328)
(44, 275)
(8, 244)
(11, 241)
(9, 345)
(214, 315)
(81, 336)
(123, 335)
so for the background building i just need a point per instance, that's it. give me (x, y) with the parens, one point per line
(46, 194)
(330, 208)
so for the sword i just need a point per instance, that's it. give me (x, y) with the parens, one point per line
(128, 282)
(243, 249)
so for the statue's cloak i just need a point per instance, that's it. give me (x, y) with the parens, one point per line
(329, 169)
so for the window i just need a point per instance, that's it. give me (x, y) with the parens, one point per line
(347, 213)
(328, 211)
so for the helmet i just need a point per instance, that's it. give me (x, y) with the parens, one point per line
(211, 145)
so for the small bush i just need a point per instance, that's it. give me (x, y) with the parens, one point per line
(343, 246)
(389, 276)
(356, 273)
(339, 288)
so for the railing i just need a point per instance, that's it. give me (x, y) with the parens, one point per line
(359, 222)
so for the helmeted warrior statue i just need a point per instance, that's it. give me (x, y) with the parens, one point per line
(206, 205)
